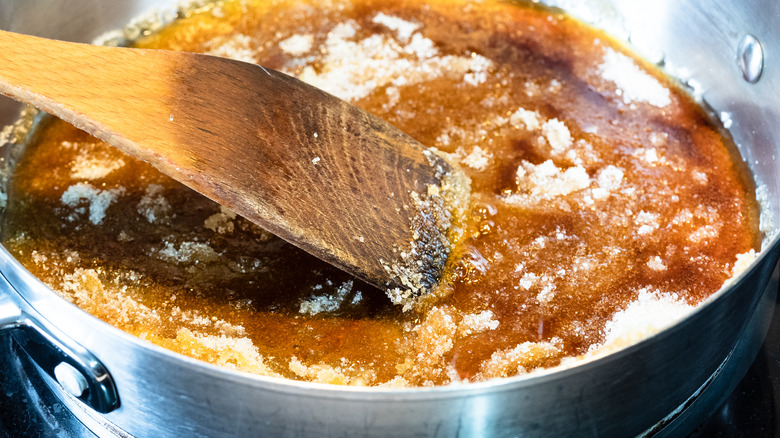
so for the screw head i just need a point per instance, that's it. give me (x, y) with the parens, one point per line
(750, 55)
(70, 379)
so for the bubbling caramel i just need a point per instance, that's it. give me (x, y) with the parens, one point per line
(605, 203)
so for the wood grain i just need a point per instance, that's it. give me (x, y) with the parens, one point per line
(320, 173)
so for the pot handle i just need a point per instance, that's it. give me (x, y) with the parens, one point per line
(75, 369)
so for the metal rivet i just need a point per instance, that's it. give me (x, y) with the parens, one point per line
(751, 58)
(70, 379)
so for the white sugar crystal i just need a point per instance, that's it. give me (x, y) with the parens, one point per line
(297, 45)
(475, 78)
(98, 199)
(707, 232)
(90, 166)
(221, 222)
(659, 138)
(478, 322)
(530, 120)
(557, 135)
(633, 83)
(700, 177)
(649, 156)
(326, 303)
(153, 206)
(234, 47)
(648, 222)
(547, 293)
(478, 159)
(187, 252)
(609, 181)
(648, 314)
(656, 264)
(421, 47)
(546, 181)
(743, 262)
(393, 97)
(682, 217)
(478, 70)
(354, 68)
(403, 28)
(725, 118)
(528, 280)
(610, 178)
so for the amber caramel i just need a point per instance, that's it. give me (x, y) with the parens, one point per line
(605, 202)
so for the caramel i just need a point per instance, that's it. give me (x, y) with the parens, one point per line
(603, 197)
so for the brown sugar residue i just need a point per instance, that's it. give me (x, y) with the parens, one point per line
(605, 204)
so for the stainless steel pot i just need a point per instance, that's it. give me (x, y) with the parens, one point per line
(662, 385)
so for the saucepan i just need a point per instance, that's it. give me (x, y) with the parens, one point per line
(117, 384)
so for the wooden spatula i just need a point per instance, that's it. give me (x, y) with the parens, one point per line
(324, 175)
